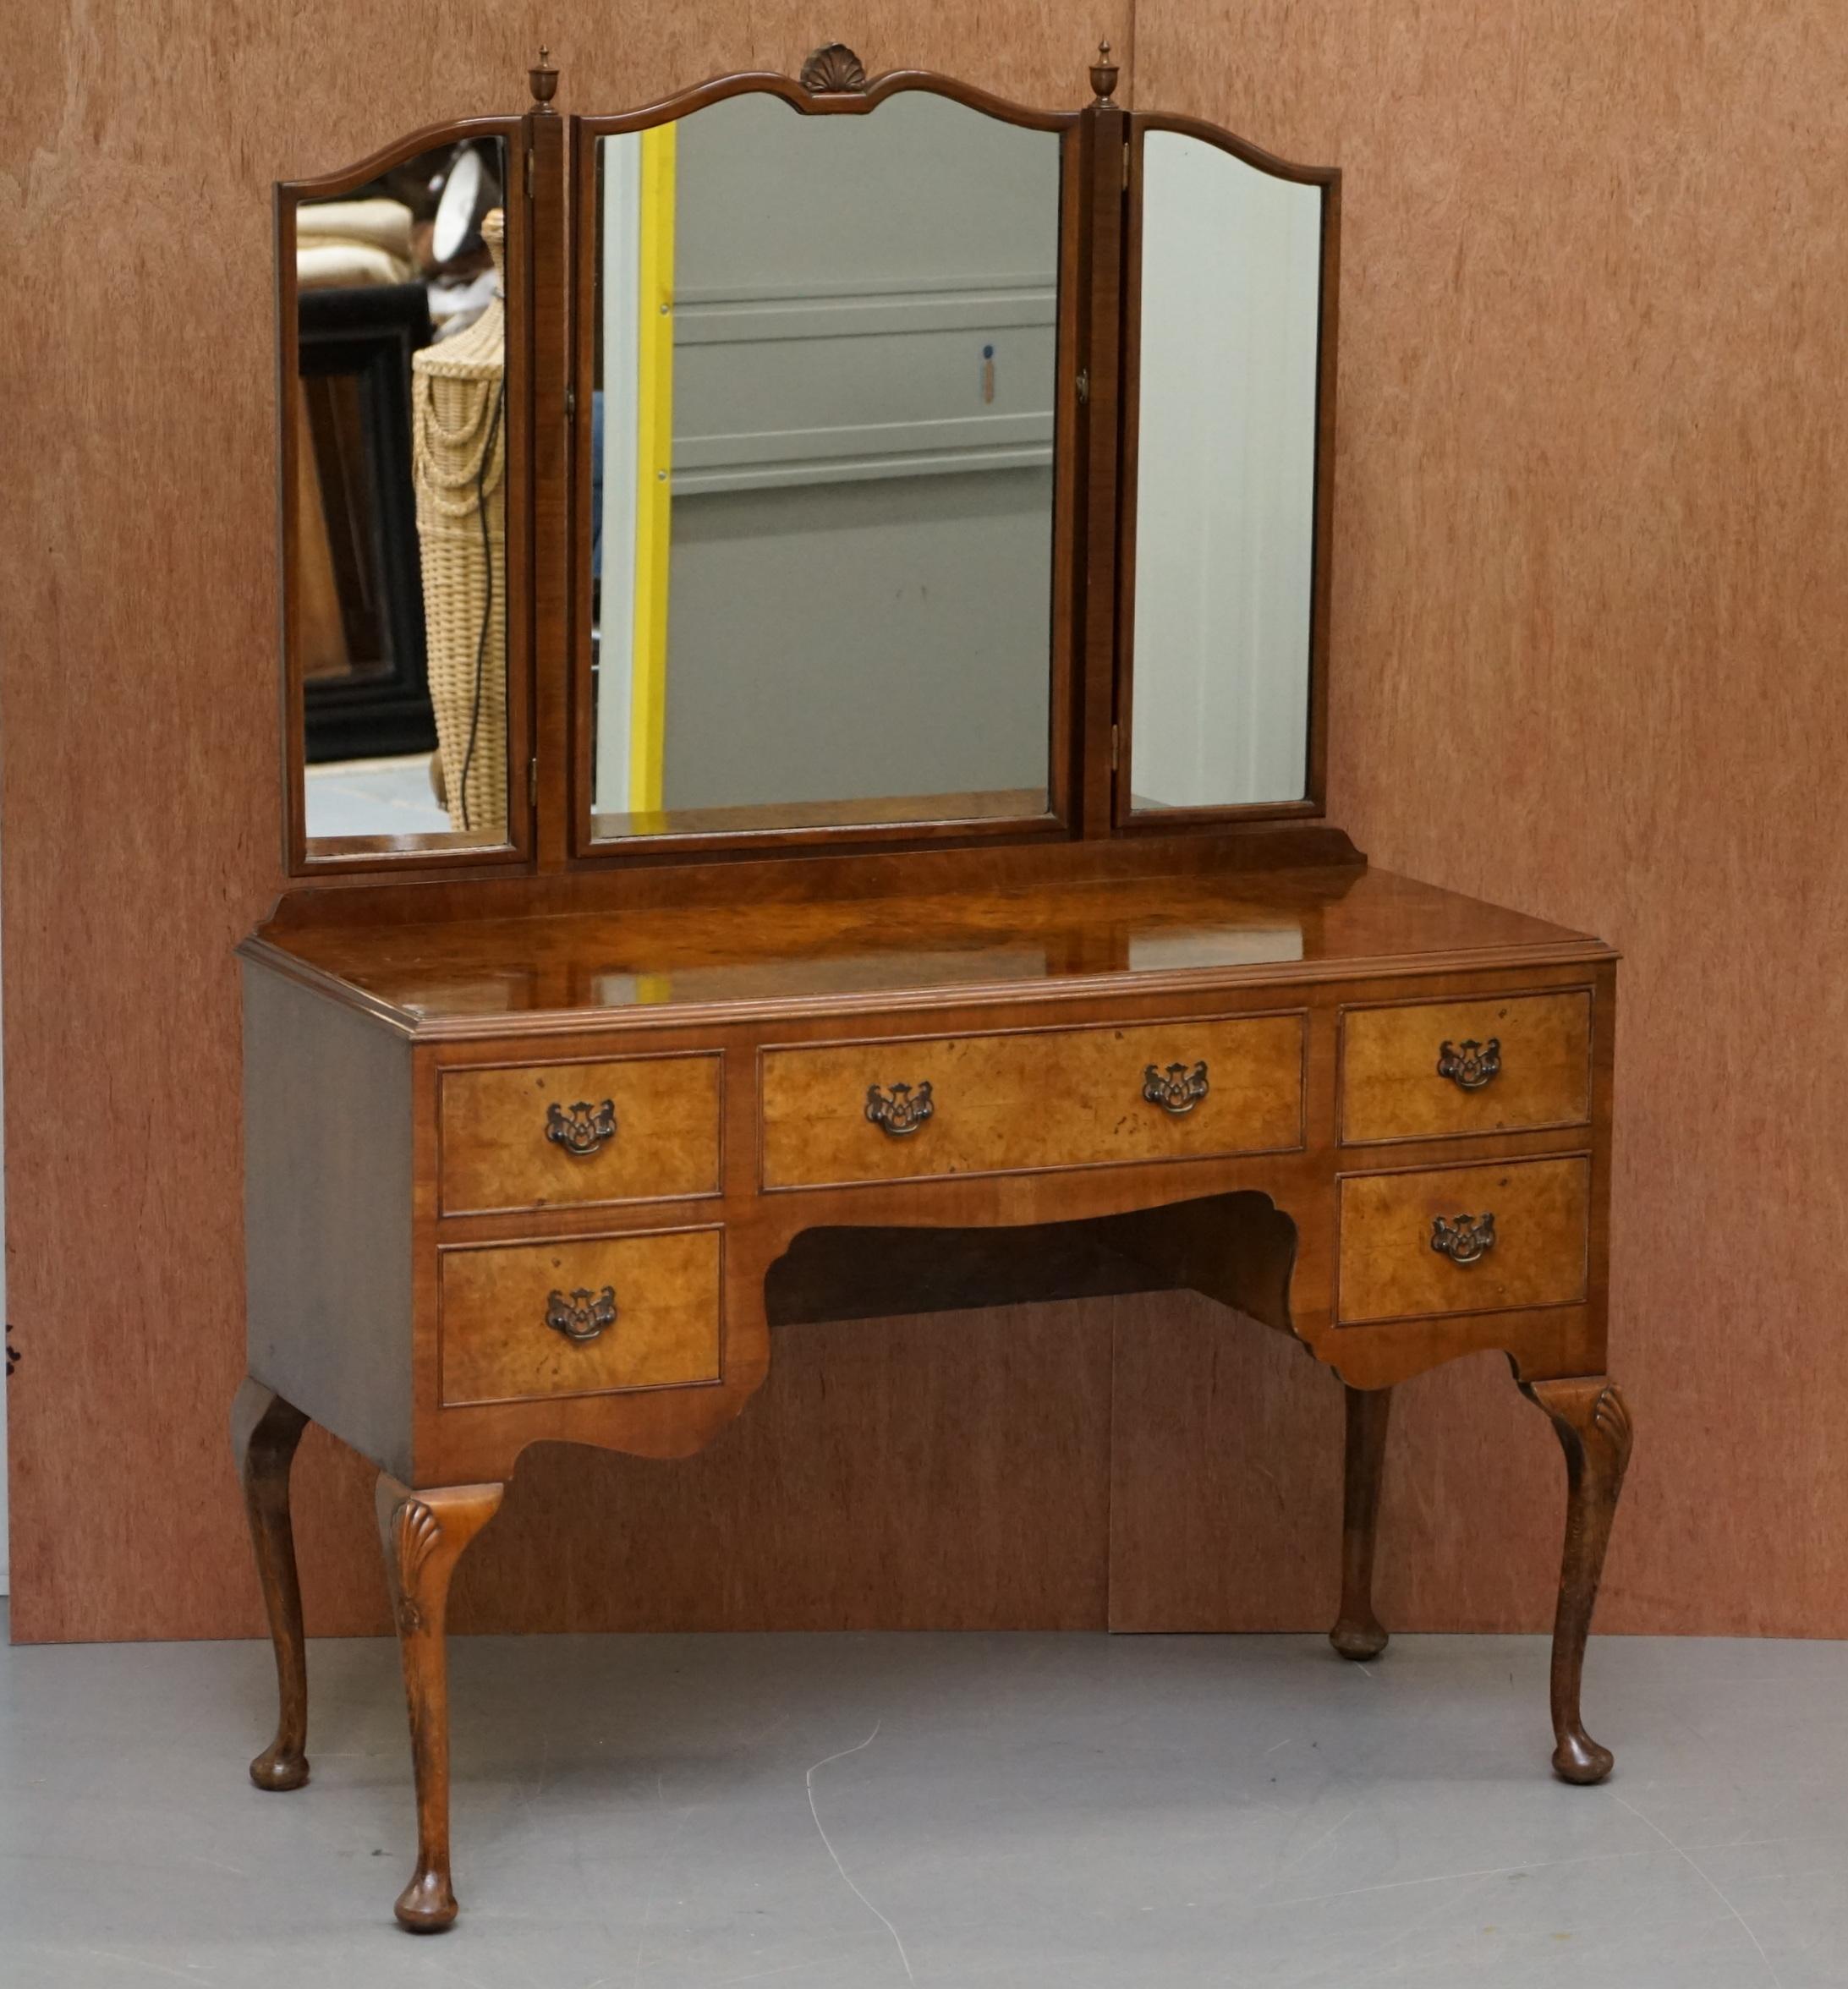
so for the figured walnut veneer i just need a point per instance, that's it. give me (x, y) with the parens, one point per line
(501, 1152)
(550, 955)
(402, 1074)
(1055, 1098)
(1511, 1065)
(498, 1301)
(1541, 1231)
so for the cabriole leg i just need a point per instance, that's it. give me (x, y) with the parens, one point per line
(1357, 1633)
(264, 1431)
(1593, 1429)
(424, 1534)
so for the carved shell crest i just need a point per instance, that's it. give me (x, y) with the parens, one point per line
(835, 68)
(1610, 1415)
(419, 1530)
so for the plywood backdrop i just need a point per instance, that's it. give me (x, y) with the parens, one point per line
(1591, 608)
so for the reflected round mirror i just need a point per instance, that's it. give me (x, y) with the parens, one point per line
(1231, 298)
(822, 468)
(398, 431)
(469, 192)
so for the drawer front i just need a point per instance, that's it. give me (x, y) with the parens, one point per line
(1430, 1071)
(635, 1129)
(588, 1317)
(849, 1113)
(1464, 1239)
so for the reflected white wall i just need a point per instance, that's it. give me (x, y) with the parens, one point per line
(864, 338)
(620, 218)
(1226, 489)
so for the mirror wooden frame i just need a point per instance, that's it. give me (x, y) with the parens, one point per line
(550, 290)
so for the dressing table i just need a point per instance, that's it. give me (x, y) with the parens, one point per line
(907, 869)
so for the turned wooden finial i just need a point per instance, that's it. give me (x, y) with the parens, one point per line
(542, 79)
(1104, 72)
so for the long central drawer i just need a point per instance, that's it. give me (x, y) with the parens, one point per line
(838, 1113)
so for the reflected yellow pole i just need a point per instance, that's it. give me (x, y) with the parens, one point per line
(654, 458)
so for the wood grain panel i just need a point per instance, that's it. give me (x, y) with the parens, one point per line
(918, 1473)
(1234, 1522)
(328, 1236)
(910, 1474)
(498, 1342)
(1588, 613)
(139, 763)
(1030, 1098)
(1589, 501)
(561, 954)
(1537, 1211)
(1392, 1087)
(498, 1153)
(1233, 1518)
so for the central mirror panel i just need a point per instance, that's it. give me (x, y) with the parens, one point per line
(824, 363)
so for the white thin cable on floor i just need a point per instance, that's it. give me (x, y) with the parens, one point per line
(836, 1855)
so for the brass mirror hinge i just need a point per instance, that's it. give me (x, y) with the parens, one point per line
(532, 781)
(1125, 165)
(1083, 384)
(1116, 747)
(529, 172)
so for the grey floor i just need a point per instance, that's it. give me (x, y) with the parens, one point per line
(374, 797)
(848, 1812)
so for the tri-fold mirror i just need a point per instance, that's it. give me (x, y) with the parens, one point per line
(929, 468)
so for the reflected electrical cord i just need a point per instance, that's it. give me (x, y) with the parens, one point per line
(487, 605)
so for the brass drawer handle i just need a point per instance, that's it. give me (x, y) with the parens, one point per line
(1176, 1089)
(583, 1128)
(582, 1314)
(1469, 1064)
(1463, 1238)
(902, 1112)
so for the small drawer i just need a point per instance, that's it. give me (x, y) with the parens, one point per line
(1431, 1072)
(907, 1109)
(558, 1135)
(591, 1316)
(1489, 1239)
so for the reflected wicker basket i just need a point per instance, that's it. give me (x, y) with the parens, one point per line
(458, 465)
